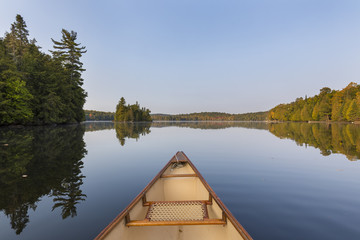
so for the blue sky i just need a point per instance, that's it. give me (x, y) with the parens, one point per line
(182, 56)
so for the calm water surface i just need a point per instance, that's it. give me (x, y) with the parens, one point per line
(281, 181)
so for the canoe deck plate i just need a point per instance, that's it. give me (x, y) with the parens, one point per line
(177, 211)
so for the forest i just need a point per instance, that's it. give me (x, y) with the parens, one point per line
(328, 105)
(211, 116)
(38, 88)
(92, 115)
(131, 113)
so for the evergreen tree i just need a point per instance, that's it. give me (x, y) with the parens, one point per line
(120, 110)
(14, 96)
(68, 52)
(36, 88)
(324, 109)
(131, 113)
(17, 40)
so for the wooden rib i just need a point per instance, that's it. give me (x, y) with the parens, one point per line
(146, 222)
(178, 175)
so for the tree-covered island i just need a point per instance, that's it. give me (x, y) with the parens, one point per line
(37, 88)
(131, 113)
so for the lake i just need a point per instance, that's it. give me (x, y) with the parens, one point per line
(280, 180)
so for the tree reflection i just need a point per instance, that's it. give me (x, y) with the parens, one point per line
(329, 138)
(40, 161)
(131, 130)
(93, 126)
(211, 124)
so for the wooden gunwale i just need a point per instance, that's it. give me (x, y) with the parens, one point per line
(212, 196)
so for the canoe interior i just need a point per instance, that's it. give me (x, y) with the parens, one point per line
(174, 183)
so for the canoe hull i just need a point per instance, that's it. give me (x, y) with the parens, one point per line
(177, 182)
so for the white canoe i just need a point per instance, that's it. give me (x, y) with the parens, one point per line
(177, 204)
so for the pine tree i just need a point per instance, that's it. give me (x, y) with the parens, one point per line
(17, 40)
(120, 110)
(14, 96)
(68, 52)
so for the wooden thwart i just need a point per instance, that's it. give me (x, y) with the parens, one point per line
(146, 222)
(178, 175)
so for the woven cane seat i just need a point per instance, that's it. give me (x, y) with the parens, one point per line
(177, 211)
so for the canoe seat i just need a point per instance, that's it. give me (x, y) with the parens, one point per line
(165, 213)
(177, 211)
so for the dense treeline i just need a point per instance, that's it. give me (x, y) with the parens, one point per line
(329, 105)
(211, 116)
(131, 113)
(38, 88)
(92, 115)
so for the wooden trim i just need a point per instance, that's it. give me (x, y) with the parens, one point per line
(144, 200)
(127, 218)
(206, 202)
(206, 213)
(146, 222)
(226, 211)
(178, 175)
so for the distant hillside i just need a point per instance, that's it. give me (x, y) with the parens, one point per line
(92, 115)
(211, 116)
(328, 105)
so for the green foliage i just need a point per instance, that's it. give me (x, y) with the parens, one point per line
(14, 96)
(36, 88)
(131, 113)
(68, 52)
(92, 115)
(329, 105)
(353, 111)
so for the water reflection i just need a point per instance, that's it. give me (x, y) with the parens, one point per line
(36, 162)
(211, 124)
(329, 138)
(131, 130)
(92, 126)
